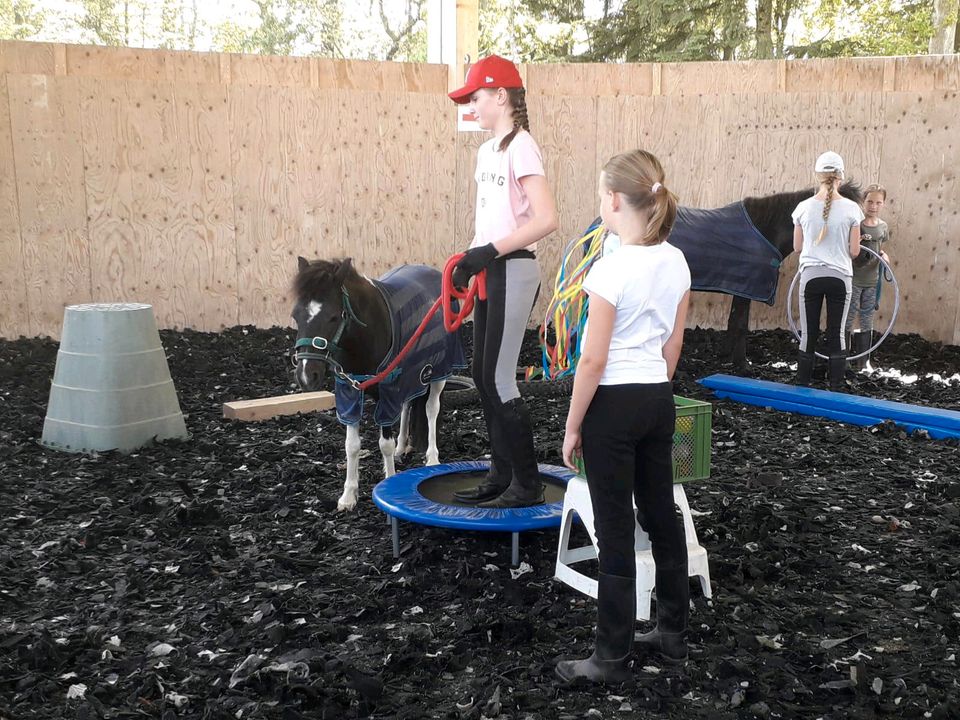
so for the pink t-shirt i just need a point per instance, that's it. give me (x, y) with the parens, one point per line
(502, 205)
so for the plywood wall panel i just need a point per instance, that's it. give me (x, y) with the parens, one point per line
(565, 130)
(48, 156)
(160, 203)
(836, 75)
(921, 157)
(713, 78)
(927, 73)
(414, 180)
(287, 194)
(13, 289)
(29, 58)
(589, 79)
(270, 70)
(468, 143)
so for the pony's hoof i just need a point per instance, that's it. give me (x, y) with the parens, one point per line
(433, 459)
(346, 504)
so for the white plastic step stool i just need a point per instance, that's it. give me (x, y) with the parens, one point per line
(577, 500)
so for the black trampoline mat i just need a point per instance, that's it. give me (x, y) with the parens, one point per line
(440, 488)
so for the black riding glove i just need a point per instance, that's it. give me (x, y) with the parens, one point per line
(472, 262)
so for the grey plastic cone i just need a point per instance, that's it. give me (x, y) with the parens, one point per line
(111, 388)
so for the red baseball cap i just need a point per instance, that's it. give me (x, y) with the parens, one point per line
(492, 71)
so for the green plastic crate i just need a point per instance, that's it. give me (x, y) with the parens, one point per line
(691, 440)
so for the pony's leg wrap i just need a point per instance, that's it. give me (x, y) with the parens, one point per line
(348, 501)
(433, 411)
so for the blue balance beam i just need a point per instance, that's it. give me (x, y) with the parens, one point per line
(853, 409)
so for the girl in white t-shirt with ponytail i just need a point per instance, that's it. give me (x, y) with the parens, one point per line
(622, 416)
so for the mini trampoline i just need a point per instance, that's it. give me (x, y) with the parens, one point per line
(424, 496)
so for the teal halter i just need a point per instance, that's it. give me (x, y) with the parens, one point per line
(329, 352)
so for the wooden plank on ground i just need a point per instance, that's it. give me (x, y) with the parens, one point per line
(265, 408)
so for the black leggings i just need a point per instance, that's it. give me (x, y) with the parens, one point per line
(813, 293)
(628, 450)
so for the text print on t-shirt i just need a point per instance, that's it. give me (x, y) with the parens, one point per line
(488, 177)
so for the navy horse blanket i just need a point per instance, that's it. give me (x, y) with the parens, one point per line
(409, 291)
(726, 253)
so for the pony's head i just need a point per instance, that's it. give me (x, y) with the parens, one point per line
(323, 315)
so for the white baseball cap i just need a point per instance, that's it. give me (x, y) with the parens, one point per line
(829, 162)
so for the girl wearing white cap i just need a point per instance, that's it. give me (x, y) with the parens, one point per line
(515, 209)
(827, 235)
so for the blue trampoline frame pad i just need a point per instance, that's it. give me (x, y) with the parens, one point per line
(853, 409)
(398, 497)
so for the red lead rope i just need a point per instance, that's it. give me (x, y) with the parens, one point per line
(451, 320)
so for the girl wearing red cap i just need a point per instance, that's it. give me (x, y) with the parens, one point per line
(515, 209)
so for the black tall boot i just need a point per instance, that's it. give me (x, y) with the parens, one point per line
(669, 638)
(861, 343)
(501, 472)
(525, 487)
(838, 367)
(804, 368)
(616, 611)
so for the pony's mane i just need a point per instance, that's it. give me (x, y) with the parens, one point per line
(316, 279)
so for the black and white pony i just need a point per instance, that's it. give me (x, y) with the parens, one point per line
(350, 327)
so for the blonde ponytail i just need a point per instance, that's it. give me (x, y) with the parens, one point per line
(639, 177)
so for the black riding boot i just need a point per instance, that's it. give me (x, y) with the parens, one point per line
(669, 638)
(616, 610)
(861, 343)
(500, 474)
(525, 487)
(838, 368)
(804, 368)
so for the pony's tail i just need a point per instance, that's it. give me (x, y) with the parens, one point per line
(418, 432)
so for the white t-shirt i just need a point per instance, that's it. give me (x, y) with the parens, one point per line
(645, 283)
(502, 205)
(834, 250)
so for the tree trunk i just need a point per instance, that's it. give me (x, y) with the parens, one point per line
(944, 27)
(956, 35)
(764, 37)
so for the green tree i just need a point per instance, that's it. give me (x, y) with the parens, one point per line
(108, 21)
(535, 30)
(19, 19)
(672, 30)
(286, 27)
(408, 40)
(882, 27)
(179, 24)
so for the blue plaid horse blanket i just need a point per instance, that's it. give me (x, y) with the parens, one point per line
(726, 253)
(409, 291)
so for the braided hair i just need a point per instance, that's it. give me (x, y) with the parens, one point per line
(518, 101)
(830, 179)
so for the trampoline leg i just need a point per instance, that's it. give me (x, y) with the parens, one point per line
(515, 557)
(395, 534)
